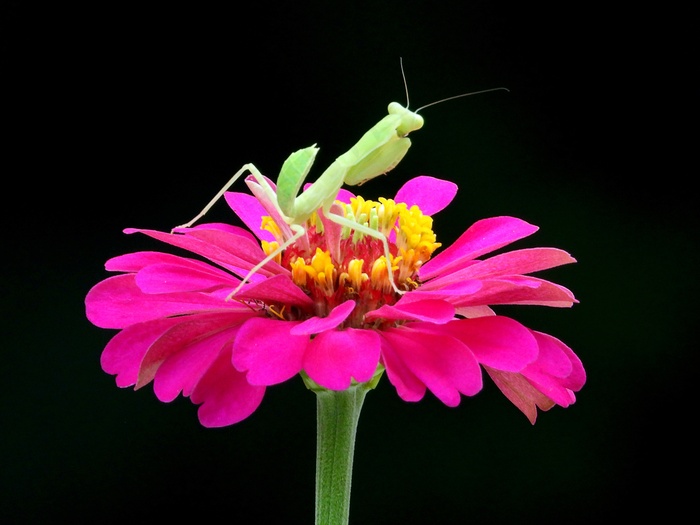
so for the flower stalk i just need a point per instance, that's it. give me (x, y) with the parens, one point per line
(337, 416)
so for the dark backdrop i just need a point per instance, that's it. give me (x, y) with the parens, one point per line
(135, 116)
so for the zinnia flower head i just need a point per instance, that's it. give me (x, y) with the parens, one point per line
(325, 308)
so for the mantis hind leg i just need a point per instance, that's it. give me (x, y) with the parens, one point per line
(246, 168)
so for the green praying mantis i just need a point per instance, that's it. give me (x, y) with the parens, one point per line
(377, 152)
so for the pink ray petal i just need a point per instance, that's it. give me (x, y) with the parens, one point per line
(117, 302)
(315, 325)
(133, 262)
(408, 386)
(520, 392)
(431, 195)
(124, 352)
(482, 237)
(336, 357)
(224, 394)
(445, 365)
(183, 276)
(496, 341)
(430, 310)
(277, 289)
(182, 369)
(250, 211)
(266, 351)
(200, 329)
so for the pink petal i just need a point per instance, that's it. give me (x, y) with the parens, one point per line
(520, 290)
(277, 289)
(267, 352)
(117, 302)
(557, 371)
(444, 364)
(315, 325)
(452, 291)
(250, 211)
(471, 312)
(133, 262)
(225, 395)
(408, 386)
(332, 231)
(236, 245)
(123, 354)
(183, 276)
(482, 237)
(430, 310)
(520, 392)
(237, 253)
(496, 341)
(431, 195)
(180, 371)
(336, 357)
(518, 262)
(202, 329)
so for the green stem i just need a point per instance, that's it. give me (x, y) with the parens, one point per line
(338, 413)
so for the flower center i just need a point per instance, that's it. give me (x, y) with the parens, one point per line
(333, 263)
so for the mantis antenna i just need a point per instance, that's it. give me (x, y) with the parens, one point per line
(403, 75)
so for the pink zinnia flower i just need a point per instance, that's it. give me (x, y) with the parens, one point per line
(326, 309)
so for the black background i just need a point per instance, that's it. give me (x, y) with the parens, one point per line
(135, 116)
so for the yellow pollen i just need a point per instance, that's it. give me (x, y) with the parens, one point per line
(355, 274)
(270, 247)
(270, 225)
(321, 271)
(379, 276)
(416, 233)
(388, 211)
(299, 274)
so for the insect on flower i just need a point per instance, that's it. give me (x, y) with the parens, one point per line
(324, 308)
(336, 289)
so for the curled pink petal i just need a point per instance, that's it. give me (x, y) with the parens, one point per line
(431, 310)
(315, 325)
(553, 378)
(277, 289)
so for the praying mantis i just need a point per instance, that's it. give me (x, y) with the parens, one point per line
(377, 152)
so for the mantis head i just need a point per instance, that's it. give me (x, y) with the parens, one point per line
(410, 121)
